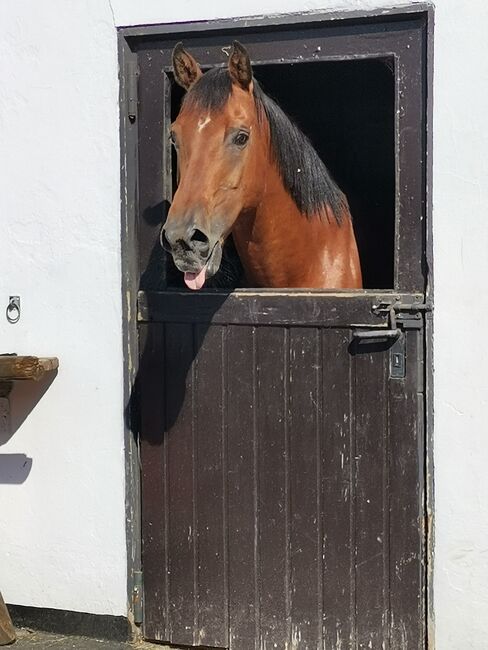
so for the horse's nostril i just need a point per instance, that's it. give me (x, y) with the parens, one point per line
(199, 236)
(185, 246)
(184, 240)
(165, 243)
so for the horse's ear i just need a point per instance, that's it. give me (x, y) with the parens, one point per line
(186, 69)
(240, 68)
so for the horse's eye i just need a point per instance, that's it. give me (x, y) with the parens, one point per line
(241, 138)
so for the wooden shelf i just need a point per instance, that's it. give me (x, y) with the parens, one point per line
(24, 368)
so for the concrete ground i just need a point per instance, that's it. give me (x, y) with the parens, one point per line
(33, 639)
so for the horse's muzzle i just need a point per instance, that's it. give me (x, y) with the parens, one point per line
(192, 249)
(191, 240)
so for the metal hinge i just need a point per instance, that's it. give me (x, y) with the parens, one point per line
(132, 78)
(137, 595)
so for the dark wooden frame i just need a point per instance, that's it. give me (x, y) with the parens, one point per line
(418, 281)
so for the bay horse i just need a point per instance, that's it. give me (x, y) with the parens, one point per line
(244, 168)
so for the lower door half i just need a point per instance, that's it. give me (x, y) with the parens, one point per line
(282, 483)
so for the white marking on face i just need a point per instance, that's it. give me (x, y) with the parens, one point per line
(202, 122)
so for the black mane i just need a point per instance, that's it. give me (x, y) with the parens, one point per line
(304, 175)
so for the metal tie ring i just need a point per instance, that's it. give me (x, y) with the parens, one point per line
(13, 310)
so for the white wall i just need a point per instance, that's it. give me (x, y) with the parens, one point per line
(60, 250)
(461, 354)
(62, 539)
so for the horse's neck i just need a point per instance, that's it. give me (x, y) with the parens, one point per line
(275, 242)
(280, 247)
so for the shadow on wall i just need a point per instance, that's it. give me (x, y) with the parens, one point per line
(159, 274)
(17, 401)
(14, 468)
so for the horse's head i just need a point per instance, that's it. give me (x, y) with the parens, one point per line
(218, 148)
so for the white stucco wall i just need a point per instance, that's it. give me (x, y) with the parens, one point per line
(63, 527)
(62, 539)
(461, 270)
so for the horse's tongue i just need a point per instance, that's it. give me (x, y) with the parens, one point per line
(195, 280)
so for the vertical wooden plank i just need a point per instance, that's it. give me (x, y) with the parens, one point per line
(153, 479)
(407, 552)
(274, 578)
(242, 490)
(337, 461)
(371, 476)
(303, 406)
(211, 621)
(154, 163)
(411, 163)
(182, 534)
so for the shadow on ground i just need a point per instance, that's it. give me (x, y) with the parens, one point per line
(33, 639)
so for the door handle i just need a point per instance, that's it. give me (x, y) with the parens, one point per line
(390, 332)
(376, 334)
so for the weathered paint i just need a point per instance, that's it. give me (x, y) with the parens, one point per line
(59, 80)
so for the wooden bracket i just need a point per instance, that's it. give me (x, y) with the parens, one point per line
(7, 631)
(21, 368)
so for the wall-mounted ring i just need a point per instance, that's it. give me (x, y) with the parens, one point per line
(13, 310)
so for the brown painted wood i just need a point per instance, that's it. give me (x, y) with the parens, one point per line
(371, 517)
(266, 308)
(153, 446)
(14, 368)
(303, 471)
(273, 571)
(406, 500)
(154, 171)
(242, 487)
(281, 466)
(337, 496)
(181, 505)
(282, 489)
(210, 486)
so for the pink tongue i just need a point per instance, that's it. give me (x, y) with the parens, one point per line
(195, 280)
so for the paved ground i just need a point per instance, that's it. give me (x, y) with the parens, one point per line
(40, 640)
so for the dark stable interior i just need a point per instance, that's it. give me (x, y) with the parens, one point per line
(346, 108)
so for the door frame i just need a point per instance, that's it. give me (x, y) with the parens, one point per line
(131, 271)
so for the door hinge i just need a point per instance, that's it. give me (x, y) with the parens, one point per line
(132, 79)
(137, 596)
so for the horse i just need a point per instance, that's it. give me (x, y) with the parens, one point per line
(244, 169)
